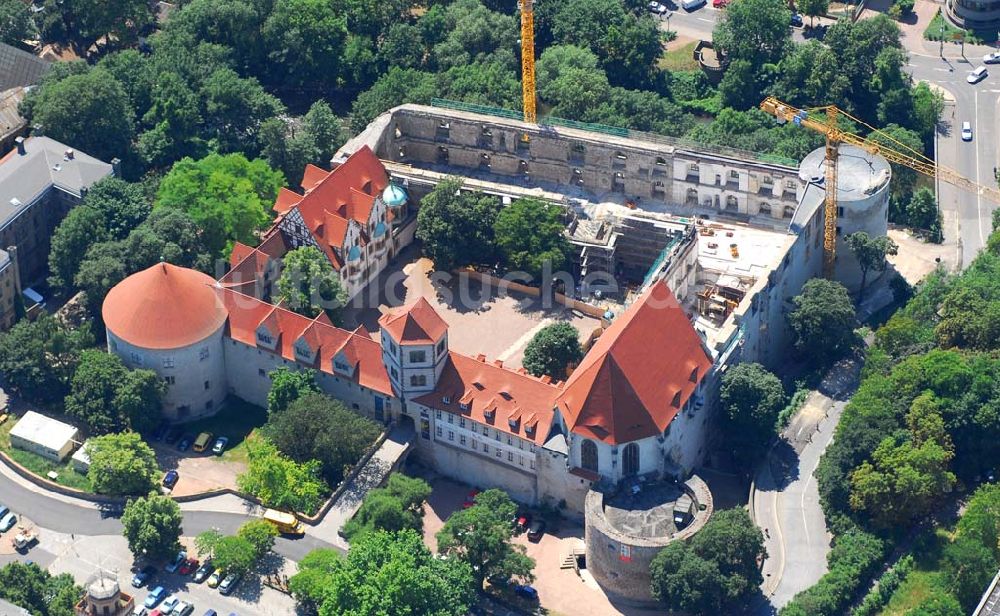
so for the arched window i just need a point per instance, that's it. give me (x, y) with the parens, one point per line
(630, 460)
(765, 209)
(588, 456)
(789, 211)
(732, 203)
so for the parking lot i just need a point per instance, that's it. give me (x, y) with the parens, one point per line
(82, 557)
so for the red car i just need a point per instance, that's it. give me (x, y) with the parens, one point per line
(522, 521)
(720, 4)
(470, 500)
(188, 566)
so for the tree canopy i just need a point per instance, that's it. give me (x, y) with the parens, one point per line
(823, 320)
(871, 253)
(35, 589)
(384, 573)
(278, 481)
(399, 505)
(309, 285)
(287, 386)
(456, 226)
(38, 358)
(480, 536)
(715, 568)
(752, 397)
(530, 236)
(552, 349)
(108, 397)
(122, 464)
(227, 196)
(152, 526)
(316, 427)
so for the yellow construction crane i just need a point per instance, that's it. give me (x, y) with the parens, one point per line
(528, 61)
(824, 121)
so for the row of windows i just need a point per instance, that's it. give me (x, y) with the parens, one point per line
(486, 431)
(589, 458)
(485, 448)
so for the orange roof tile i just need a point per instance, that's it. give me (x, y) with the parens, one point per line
(312, 176)
(163, 307)
(246, 313)
(286, 200)
(506, 400)
(638, 374)
(240, 251)
(415, 323)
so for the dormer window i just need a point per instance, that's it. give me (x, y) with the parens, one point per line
(512, 422)
(265, 338)
(340, 366)
(464, 406)
(676, 402)
(529, 430)
(694, 375)
(446, 399)
(490, 413)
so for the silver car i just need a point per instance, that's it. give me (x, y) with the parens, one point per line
(7, 522)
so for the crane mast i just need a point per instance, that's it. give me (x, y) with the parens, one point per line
(528, 61)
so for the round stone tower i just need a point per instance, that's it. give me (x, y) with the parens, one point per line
(862, 202)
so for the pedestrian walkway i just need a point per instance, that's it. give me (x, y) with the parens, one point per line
(387, 459)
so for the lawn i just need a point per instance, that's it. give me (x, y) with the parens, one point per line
(939, 28)
(679, 59)
(924, 579)
(35, 463)
(236, 420)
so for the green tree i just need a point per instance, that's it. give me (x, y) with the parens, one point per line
(35, 589)
(124, 205)
(16, 23)
(739, 88)
(981, 519)
(206, 541)
(287, 386)
(871, 253)
(903, 179)
(531, 235)
(108, 397)
(38, 358)
(716, 568)
(384, 573)
(103, 266)
(456, 226)
(235, 110)
(906, 478)
(938, 604)
(969, 567)
(316, 427)
(152, 526)
(172, 120)
(397, 506)
(395, 87)
(309, 285)
(922, 212)
(480, 536)
(305, 39)
(234, 554)
(755, 31)
(325, 130)
(260, 535)
(82, 227)
(552, 349)
(279, 481)
(227, 197)
(89, 110)
(823, 320)
(83, 22)
(813, 8)
(752, 397)
(122, 464)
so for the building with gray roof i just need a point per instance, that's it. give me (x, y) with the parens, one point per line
(40, 180)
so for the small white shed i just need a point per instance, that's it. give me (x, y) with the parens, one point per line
(45, 436)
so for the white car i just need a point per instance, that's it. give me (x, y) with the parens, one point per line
(966, 131)
(657, 8)
(977, 75)
(169, 604)
(992, 58)
(7, 522)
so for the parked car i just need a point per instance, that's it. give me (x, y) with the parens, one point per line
(203, 572)
(216, 578)
(966, 131)
(527, 592)
(185, 443)
(796, 20)
(7, 522)
(170, 479)
(203, 441)
(536, 530)
(691, 5)
(4, 511)
(140, 610)
(228, 585)
(183, 609)
(170, 603)
(176, 562)
(992, 58)
(522, 521)
(142, 576)
(657, 8)
(220, 445)
(719, 4)
(161, 431)
(155, 596)
(210, 613)
(978, 75)
(470, 498)
(173, 434)
(188, 566)
(157, 613)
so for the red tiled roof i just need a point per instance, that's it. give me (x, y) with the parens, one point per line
(240, 251)
(332, 192)
(415, 323)
(312, 176)
(286, 200)
(163, 307)
(247, 313)
(638, 374)
(506, 400)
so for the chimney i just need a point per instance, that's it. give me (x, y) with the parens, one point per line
(116, 167)
(69, 154)
(20, 146)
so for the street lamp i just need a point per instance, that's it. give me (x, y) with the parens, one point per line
(942, 40)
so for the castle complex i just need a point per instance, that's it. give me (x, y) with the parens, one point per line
(708, 248)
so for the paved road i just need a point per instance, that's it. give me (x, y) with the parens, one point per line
(976, 160)
(86, 519)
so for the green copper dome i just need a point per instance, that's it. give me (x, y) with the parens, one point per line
(394, 196)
